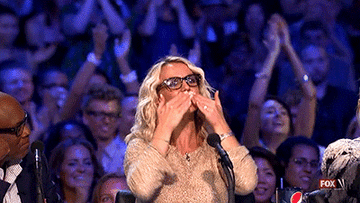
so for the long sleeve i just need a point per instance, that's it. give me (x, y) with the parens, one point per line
(245, 170)
(195, 177)
(145, 168)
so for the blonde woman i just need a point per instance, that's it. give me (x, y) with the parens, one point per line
(168, 159)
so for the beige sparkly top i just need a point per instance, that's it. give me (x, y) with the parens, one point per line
(194, 177)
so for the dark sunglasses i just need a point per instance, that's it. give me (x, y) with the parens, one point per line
(16, 130)
(175, 83)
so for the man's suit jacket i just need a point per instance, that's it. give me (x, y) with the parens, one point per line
(26, 182)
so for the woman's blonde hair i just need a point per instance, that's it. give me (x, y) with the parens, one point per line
(146, 112)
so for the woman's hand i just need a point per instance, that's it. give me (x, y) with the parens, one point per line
(212, 111)
(170, 113)
(283, 32)
(272, 39)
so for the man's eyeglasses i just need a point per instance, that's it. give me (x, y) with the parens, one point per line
(101, 115)
(18, 130)
(303, 163)
(175, 83)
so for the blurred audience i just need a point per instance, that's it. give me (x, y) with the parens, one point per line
(52, 89)
(269, 121)
(9, 30)
(326, 12)
(216, 27)
(78, 20)
(17, 81)
(64, 130)
(341, 71)
(335, 106)
(160, 24)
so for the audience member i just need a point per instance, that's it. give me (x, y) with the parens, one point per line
(23, 39)
(315, 32)
(17, 172)
(68, 129)
(88, 75)
(9, 30)
(326, 12)
(52, 89)
(300, 157)
(216, 27)
(269, 173)
(107, 188)
(84, 77)
(18, 82)
(268, 122)
(341, 73)
(167, 157)
(76, 169)
(101, 112)
(256, 14)
(335, 106)
(235, 79)
(77, 21)
(236, 76)
(159, 25)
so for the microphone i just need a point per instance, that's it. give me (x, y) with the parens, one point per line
(213, 140)
(311, 196)
(124, 196)
(315, 193)
(37, 148)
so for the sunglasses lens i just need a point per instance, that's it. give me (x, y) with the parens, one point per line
(173, 83)
(192, 80)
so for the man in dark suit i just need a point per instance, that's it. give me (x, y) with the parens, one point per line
(17, 172)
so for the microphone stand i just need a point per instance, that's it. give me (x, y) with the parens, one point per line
(39, 190)
(39, 186)
(230, 177)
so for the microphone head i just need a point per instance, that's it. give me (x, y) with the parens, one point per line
(123, 196)
(213, 139)
(37, 145)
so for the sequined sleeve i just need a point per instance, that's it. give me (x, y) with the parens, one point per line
(145, 168)
(244, 169)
